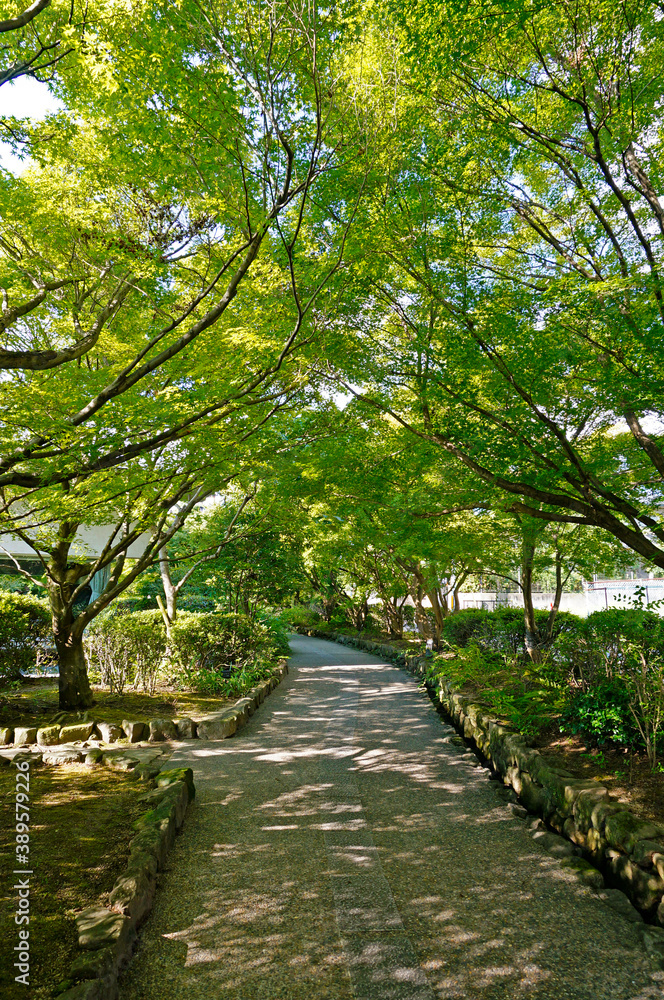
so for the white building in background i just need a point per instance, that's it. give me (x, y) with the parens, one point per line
(597, 595)
(89, 542)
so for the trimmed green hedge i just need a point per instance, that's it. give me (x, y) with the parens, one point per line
(502, 630)
(25, 622)
(131, 648)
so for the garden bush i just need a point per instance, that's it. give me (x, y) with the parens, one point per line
(25, 625)
(127, 648)
(301, 617)
(502, 630)
(279, 629)
(617, 654)
(603, 675)
(213, 652)
(529, 696)
(223, 653)
(603, 713)
(462, 626)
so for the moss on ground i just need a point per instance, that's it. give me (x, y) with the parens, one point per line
(80, 826)
(35, 703)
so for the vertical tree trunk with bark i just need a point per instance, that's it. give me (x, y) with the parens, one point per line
(74, 685)
(393, 616)
(440, 609)
(359, 613)
(557, 597)
(169, 606)
(528, 549)
(62, 580)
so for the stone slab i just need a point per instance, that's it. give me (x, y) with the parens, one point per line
(80, 731)
(135, 731)
(25, 734)
(218, 726)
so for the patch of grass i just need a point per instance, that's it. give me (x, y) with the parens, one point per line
(80, 826)
(35, 703)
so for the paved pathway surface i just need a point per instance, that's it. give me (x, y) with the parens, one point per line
(340, 847)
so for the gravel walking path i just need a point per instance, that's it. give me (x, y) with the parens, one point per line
(339, 847)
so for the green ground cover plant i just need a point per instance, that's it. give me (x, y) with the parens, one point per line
(602, 677)
(528, 696)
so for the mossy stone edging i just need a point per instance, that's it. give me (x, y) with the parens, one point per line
(218, 725)
(628, 849)
(106, 936)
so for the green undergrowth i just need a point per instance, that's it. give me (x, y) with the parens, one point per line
(209, 681)
(527, 696)
(81, 822)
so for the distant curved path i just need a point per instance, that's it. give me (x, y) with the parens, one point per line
(339, 848)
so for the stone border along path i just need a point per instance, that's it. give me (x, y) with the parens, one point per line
(344, 845)
(107, 936)
(592, 824)
(60, 744)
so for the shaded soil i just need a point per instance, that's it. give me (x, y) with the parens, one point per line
(628, 777)
(36, 704)
(80, 827)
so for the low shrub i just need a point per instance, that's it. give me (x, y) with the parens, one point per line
(603, 675)
(25, 626)
(213, 652)
(502, 630)
(462, 626)
(618, 654)
(602, 713)
(127, 648)
(301, 617)
(279, 629)
(213, 683)
(223, 653)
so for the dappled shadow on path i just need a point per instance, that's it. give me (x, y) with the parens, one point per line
(340, 847)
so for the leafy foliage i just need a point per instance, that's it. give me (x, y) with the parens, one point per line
(224, 653)
(502, 630)
(603, 677)
(127, 649)
(602, 713)
(25, 623)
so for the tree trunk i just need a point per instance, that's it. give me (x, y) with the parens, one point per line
(359, 613)
(533, 638)
(555, 607)
(393, 618)
(75, 690)
(417, 592)
(439, 607)
(170, 591)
